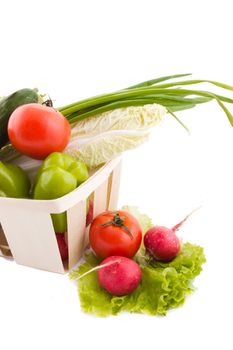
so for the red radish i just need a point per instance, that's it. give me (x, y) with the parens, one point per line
(119, 275)
(62, 245)
(162, 243)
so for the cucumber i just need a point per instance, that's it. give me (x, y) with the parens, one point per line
(9, 104)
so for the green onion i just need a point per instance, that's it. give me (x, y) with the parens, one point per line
(158, 80)
(171, 95)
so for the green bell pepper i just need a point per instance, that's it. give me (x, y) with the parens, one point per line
(59, 174)
(14, 182)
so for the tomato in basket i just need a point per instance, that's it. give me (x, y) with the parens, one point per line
(37, 130)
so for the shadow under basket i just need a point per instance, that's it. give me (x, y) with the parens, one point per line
(27, 234)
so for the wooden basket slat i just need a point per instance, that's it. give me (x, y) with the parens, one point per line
(100, 198)
(76, 219)
(115, 185)
(31, 239)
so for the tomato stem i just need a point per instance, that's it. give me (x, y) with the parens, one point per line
(119, 222)
(48, 102)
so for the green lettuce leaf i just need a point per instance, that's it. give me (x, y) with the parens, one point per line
(163, 286)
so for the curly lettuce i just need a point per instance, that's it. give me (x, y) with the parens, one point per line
(163, 286)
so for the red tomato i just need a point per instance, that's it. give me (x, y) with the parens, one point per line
(37, 130)
(115, 233)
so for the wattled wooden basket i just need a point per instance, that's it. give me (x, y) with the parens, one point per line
(27, 233)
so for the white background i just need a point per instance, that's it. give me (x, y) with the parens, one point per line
(76, 49)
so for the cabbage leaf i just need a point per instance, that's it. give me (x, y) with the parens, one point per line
(98, 139)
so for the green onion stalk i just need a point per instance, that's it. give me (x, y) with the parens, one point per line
(172, 95)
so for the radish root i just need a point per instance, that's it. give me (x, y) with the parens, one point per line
(98, 268)
(177, 226)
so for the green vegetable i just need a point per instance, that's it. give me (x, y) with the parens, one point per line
(163, 286)
(9, 104)
(170, 95)
(14, 181)
(98, 139)
(58, 175)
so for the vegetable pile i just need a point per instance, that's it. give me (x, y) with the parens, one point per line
(142, 285)
(46, 153)
(103, 126)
